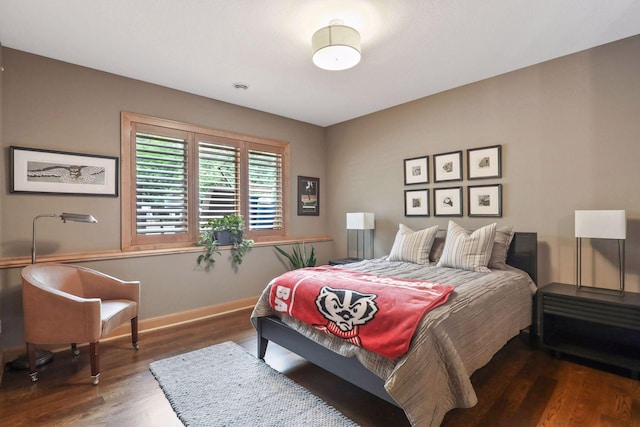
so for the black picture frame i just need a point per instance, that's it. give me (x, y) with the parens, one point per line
(416, 202)
(447, 166)
(35, 170)
(416, 170)
(308, 196)
(447, 201)
(484, 162)
(485, 200)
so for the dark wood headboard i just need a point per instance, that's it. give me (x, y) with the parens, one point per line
(523, 253)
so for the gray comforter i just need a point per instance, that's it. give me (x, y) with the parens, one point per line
(485, 311)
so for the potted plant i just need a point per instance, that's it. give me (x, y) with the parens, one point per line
(298, 258)
(225, 231)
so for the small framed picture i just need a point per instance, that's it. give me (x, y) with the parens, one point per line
(484, 162)
(416, 170)
(447, 166)
(308, 196)
(485, 200)
(447, 201)
(416, 202)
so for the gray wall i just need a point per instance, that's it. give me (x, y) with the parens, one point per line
(570, 136)
(568, 128)
(52, 104)
(55, 105)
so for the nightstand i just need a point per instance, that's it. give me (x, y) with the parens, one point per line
(603, 327)
(343, 261)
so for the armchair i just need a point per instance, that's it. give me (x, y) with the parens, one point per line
(71, 304)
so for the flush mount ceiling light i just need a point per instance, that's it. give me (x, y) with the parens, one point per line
(336, 47)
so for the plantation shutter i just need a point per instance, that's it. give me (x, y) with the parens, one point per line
(219, 180)
(161, 192)
(177, 176)
(265, 209)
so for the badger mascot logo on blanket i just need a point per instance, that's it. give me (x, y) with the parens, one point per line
(345, 310)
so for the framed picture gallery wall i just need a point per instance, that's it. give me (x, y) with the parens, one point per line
(481, 163)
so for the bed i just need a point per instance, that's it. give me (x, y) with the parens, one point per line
(452, 340)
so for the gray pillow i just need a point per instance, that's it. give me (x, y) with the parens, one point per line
(413, 246)
(501, 244)
(468, 250)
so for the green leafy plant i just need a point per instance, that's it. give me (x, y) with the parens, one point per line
(298, 258)
(225, 231)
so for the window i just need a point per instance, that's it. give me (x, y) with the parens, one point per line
(177, 176)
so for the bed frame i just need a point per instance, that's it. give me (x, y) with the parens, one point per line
(522, 254)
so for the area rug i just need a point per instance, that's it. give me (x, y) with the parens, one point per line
(223, 385)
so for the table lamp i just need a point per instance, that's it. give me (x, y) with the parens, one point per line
(600, 224)
(360, 221)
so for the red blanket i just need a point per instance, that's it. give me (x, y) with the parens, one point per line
(379, 313)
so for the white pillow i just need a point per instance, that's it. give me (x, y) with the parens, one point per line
(413, 246)
(468, 250)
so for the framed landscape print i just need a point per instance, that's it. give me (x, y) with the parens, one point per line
(35, 170)
(447, 166)
(416, 202)
(484, 162)
(485, 200)
(308, 196)
(447, 201)
(416, 170)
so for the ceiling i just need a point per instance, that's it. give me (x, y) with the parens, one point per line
(410, 48)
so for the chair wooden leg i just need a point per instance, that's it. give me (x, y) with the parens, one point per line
(31, 355)
(95, 361)
(134, 332)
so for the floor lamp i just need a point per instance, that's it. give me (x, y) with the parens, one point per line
(64, 217)
(600, 224)
(360, 221)
(45, 356)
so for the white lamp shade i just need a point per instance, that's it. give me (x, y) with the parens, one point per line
(601, 224)
(336, 47)
(360, 221)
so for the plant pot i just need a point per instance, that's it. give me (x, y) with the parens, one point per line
(226, 238)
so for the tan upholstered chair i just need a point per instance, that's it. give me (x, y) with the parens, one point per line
(71, 304)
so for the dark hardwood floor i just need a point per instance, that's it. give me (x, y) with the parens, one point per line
(520, 387)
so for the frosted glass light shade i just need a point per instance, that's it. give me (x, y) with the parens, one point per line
(601, 224)
(336, 47)
(360, 221)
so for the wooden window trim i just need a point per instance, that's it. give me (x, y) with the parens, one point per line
(128, 212)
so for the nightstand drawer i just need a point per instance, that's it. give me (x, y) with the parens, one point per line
(592, 311)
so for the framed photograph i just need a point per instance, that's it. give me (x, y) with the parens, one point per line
(308, 196)
(484, 162)
(47, 171)
(447, 166)
(485, 200)
(416, 170)
(416, 202)
(447, 201)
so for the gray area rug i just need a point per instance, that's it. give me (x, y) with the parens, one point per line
(223, 385)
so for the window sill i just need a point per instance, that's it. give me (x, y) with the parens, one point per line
(16, 262)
